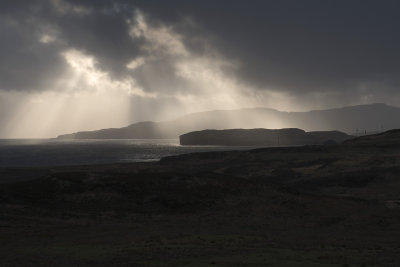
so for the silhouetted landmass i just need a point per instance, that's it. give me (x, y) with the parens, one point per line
(261, 137)
(140, 130)
(281, 206)
(389, 138)
(354, 119)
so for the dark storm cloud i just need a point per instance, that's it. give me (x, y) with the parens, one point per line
(25, 62)
(294, 46)
(100, 31)
(103, 35)
(301, 45)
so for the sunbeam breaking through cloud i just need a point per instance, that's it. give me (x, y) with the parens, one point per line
(111, 63)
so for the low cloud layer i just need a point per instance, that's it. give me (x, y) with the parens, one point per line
(97, 64)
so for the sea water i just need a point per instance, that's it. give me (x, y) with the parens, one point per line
(56, 152)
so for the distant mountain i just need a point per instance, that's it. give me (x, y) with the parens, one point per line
(262, 137)
(352, 119)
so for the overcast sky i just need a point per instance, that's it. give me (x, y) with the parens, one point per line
(69, 65)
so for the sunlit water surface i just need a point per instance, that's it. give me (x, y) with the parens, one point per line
(53, 152)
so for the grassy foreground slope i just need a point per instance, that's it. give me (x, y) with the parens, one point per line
(295, 206)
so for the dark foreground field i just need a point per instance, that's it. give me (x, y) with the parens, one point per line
(300, 206)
